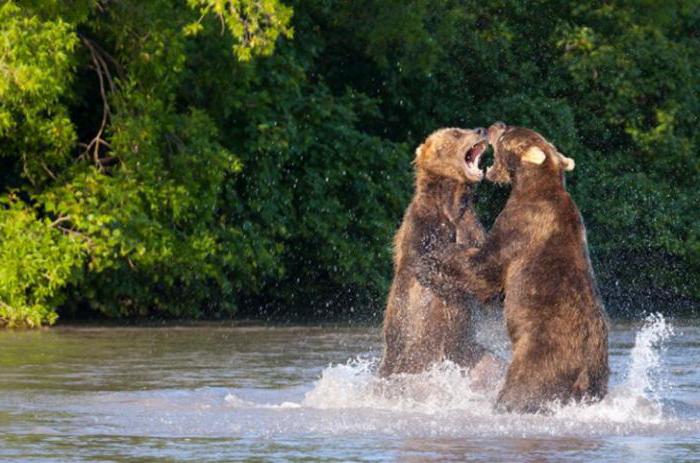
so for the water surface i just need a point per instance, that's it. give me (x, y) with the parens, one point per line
(310, 393)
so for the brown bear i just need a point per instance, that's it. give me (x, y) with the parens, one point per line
(536, 254)
(420, 328)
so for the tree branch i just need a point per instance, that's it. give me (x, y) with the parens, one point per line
(103, 74)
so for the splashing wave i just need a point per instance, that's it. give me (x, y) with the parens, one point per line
(444, 395)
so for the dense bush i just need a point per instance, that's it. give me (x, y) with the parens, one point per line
(197, 158)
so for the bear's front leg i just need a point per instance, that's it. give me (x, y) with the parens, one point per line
(454, 273)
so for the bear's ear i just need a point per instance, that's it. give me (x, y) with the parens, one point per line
(419, 154)
(534, 155)
(422, 151)
(567, 163)
(419, 151)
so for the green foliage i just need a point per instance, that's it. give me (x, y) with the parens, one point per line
(154, 212)
(645, 162)
(255, 24)
(319, 197)
(35, 72)
(209, 157)
(37, 262)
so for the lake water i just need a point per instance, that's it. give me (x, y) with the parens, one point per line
(213, 393)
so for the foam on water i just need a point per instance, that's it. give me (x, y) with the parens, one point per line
(445, 393)
(444, 387)
(638, 397)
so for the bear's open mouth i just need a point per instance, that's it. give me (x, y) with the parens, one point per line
(472, 157)
(475, 152)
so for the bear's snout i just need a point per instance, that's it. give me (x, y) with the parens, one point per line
(495, 131)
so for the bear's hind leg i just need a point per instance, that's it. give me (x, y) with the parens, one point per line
(524, 390)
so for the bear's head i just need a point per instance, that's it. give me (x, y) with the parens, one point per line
(453, 153)
(518, 148)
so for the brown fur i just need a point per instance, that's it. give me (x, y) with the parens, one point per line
(419, 327)
(537, 254)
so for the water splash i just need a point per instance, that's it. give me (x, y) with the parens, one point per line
(638, 397)
(444, 387)
(445, 393)
(643, 376)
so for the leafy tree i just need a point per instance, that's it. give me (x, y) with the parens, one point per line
(37, 262)
(202, 158)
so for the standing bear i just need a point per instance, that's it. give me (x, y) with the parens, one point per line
(421, 328)
(536, 253)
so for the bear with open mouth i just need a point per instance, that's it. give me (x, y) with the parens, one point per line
(536, 253)
(420, 327)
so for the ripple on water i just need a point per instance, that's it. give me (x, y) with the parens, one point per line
(228, 394)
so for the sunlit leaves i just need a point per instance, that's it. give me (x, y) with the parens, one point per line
(38, 259)
(35, 72)
(255, 24)
(228, 180)
(156, 208)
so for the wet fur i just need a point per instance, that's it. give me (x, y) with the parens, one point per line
(421, 328)
(537, 255)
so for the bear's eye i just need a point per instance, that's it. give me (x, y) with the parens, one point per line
(456, 133)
